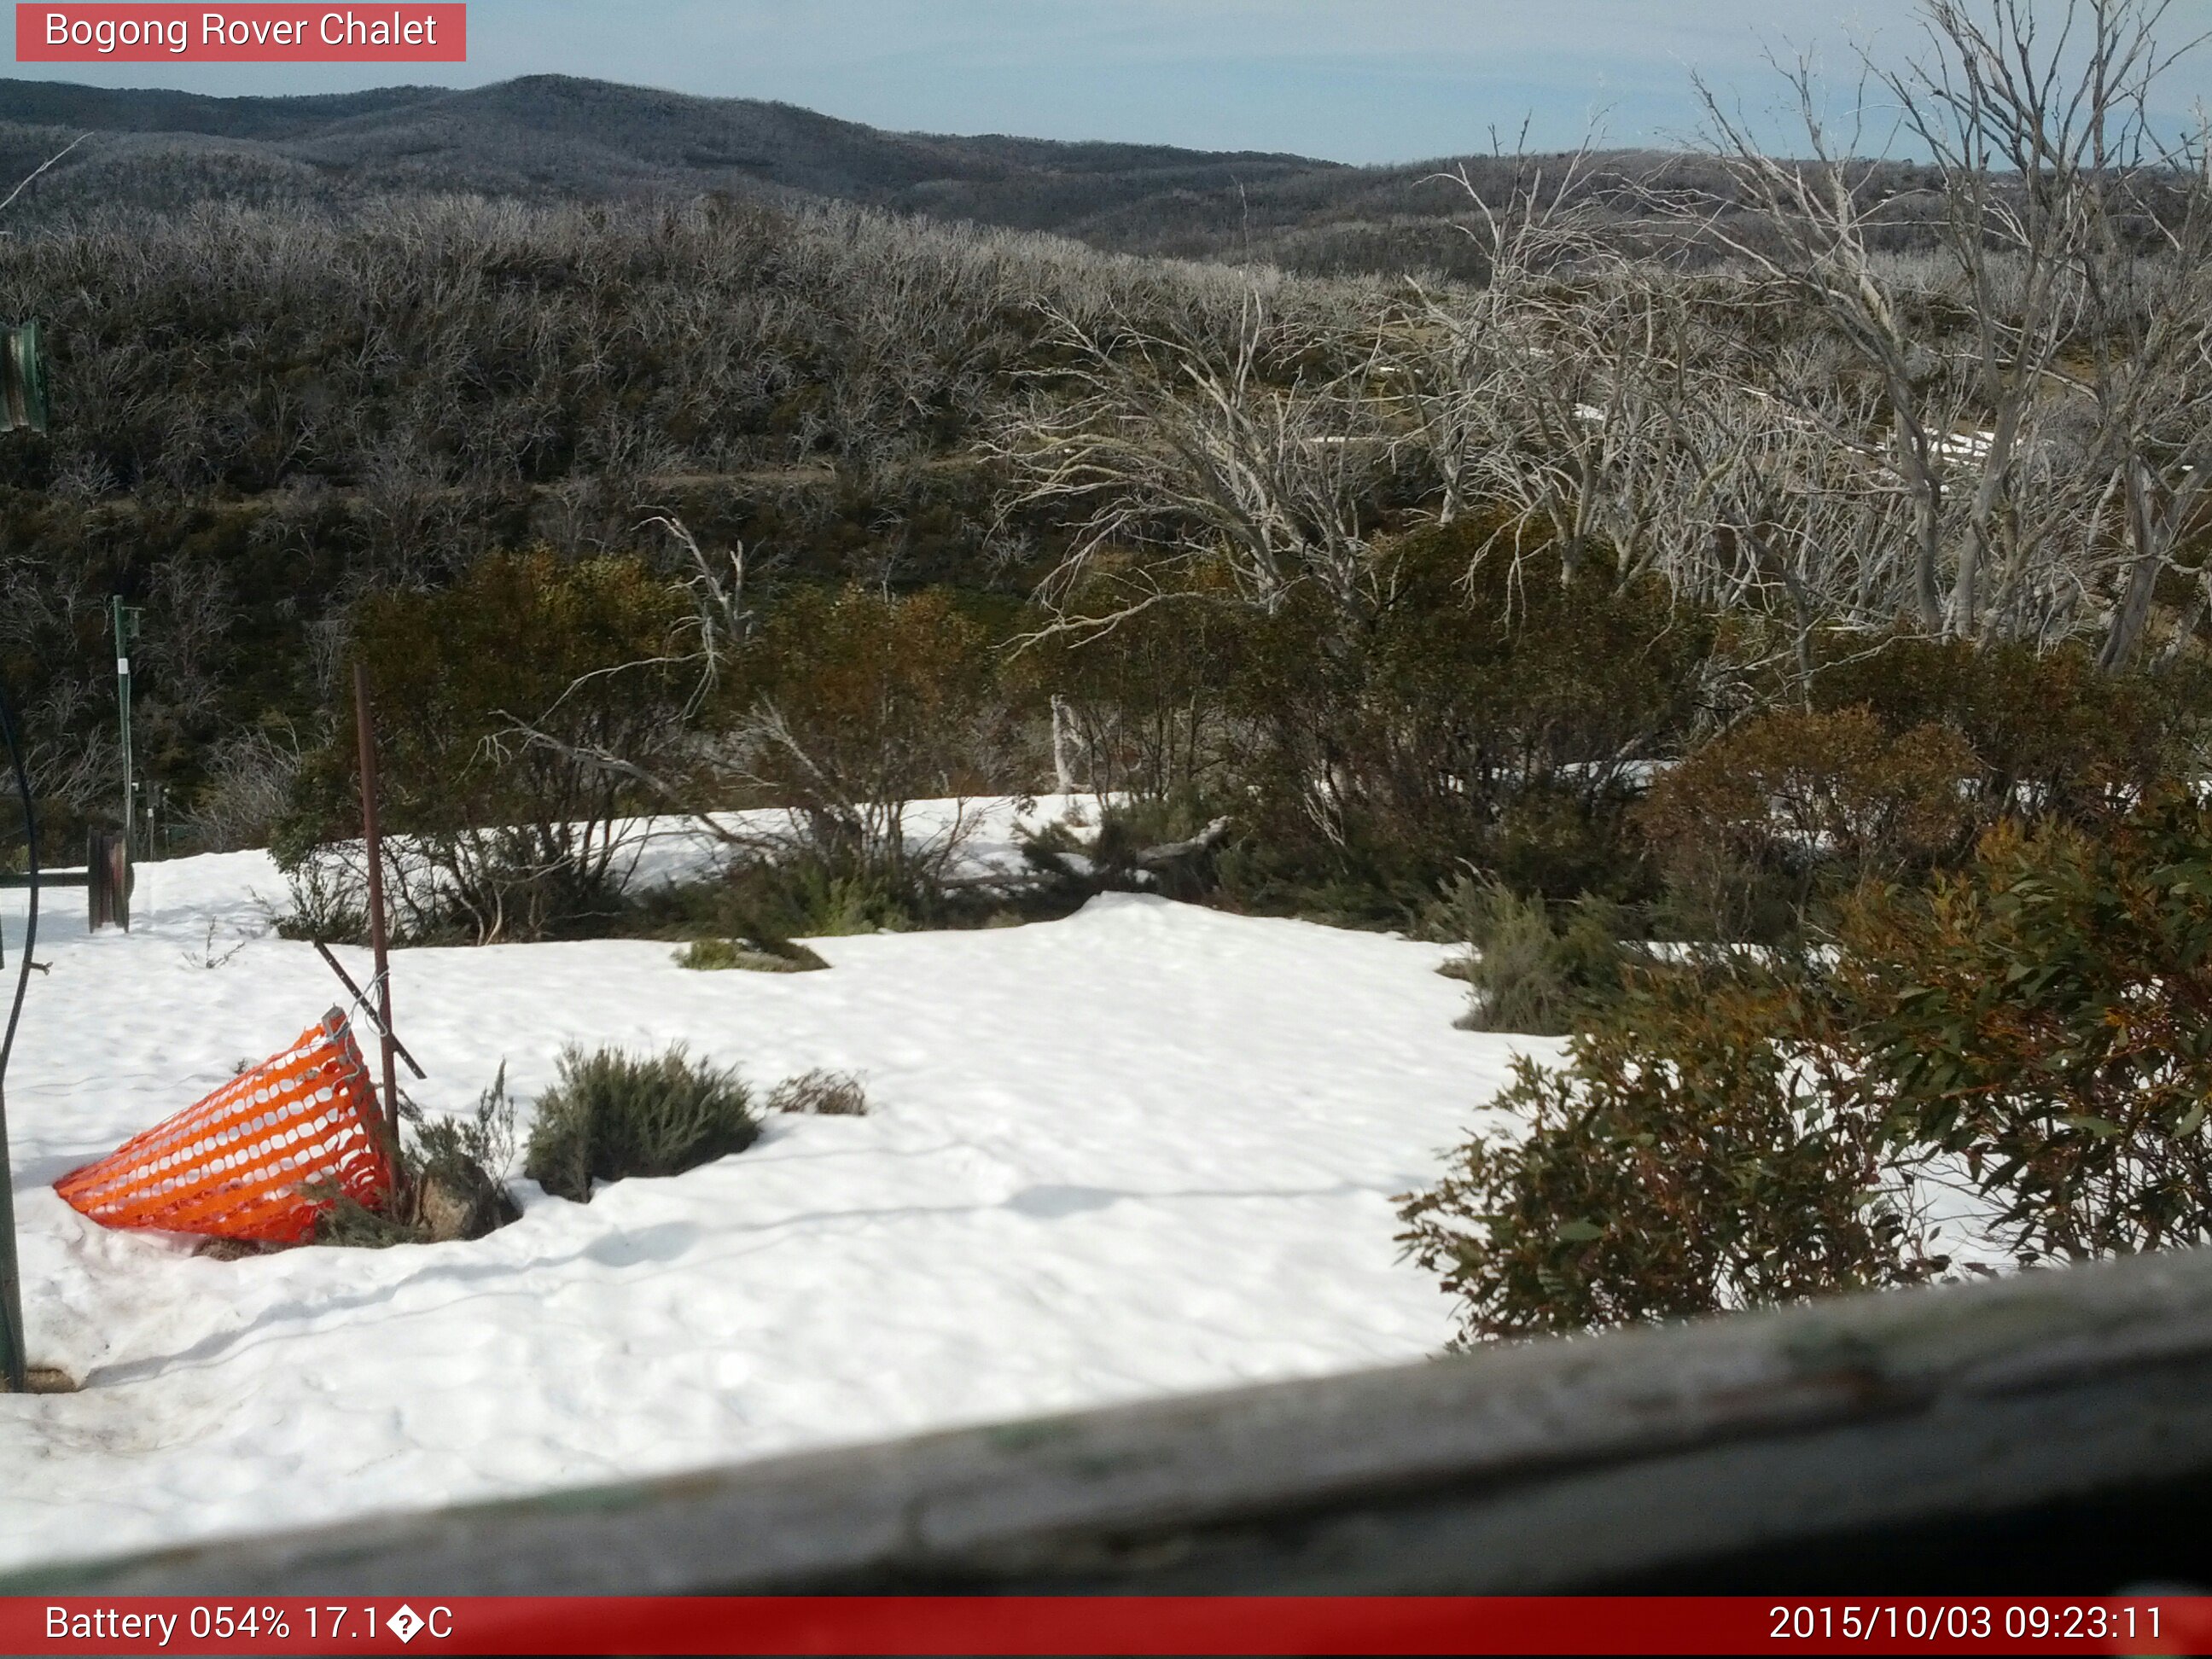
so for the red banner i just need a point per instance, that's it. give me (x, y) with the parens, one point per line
(1105, 1624)
(75, 33)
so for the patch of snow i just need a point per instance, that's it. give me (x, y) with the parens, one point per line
(1146, 1149)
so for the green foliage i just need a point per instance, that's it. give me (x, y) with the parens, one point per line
(1703, 1150)
(1732, 1133)
(1128, 851)
(1460, 723)
(443, 1160)
(2047, 1012)
(1145, 710)
(714, 954)
(2049, 730)
(854, 702)
(611, 1115)
(483, 1140)
(1527, 971)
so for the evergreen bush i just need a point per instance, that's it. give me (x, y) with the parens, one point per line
(2046, 1015)
(451, 1181)
(1690, 1158)
(713, 955)
(1527, 971)
(1748, 827)
(611, 1115)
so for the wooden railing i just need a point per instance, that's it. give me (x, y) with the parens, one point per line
(2049, 1432)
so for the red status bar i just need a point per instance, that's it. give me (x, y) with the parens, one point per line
(1104, 1624)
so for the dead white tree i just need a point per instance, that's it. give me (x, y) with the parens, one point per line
(2022, 391)
(1541, 392)
(1174, 454)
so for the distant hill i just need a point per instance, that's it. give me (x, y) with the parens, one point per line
(558, 137)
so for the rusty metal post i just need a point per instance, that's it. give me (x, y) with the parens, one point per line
(373, 843)
(107, 880)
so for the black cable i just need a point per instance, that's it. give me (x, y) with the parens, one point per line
(11, 1301)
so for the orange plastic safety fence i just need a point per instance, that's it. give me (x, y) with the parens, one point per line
(259, 1159)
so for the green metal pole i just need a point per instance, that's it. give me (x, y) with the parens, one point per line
(15, 1358)
(22, 404)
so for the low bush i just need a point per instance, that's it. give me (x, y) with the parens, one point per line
(2046, 1014)
(855, 702)
(820, 1094)
(1168, 845)
(1688, 1159)
(1749, 826)
(450, 1185)
(1737, 1131)
(712, 955)
(770, 901)
(1527, 971)
(2052, 731)
(1459, 722)
(496, 702)
(611, 1115)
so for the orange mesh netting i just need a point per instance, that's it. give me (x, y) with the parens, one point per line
(257, 1159)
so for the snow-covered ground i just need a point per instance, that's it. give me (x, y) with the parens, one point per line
(1146, 1149)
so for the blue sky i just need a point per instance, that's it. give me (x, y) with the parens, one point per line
(1349, 80)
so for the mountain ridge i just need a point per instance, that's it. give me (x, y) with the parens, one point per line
(546, 137)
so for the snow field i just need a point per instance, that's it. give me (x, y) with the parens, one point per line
(1146, 1149)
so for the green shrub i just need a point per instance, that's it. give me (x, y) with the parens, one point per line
(1731, 1132)
(484, 1140)
(2046, 1014)
(1688, 1159)
(715, 954)
(452, 1181)
(612, 1115)
(1527, 971)
(497, 832)
(1114, 858)
(1460, 722)
(854, 702)
(2052, 732)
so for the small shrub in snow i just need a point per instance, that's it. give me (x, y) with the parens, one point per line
(451, 1186)
(820, 1094)
(713, 955)
(1526, 971)
(839, 906)
(612, 1115)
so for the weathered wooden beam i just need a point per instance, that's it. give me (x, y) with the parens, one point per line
(17, 878)
(2050, 1431)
